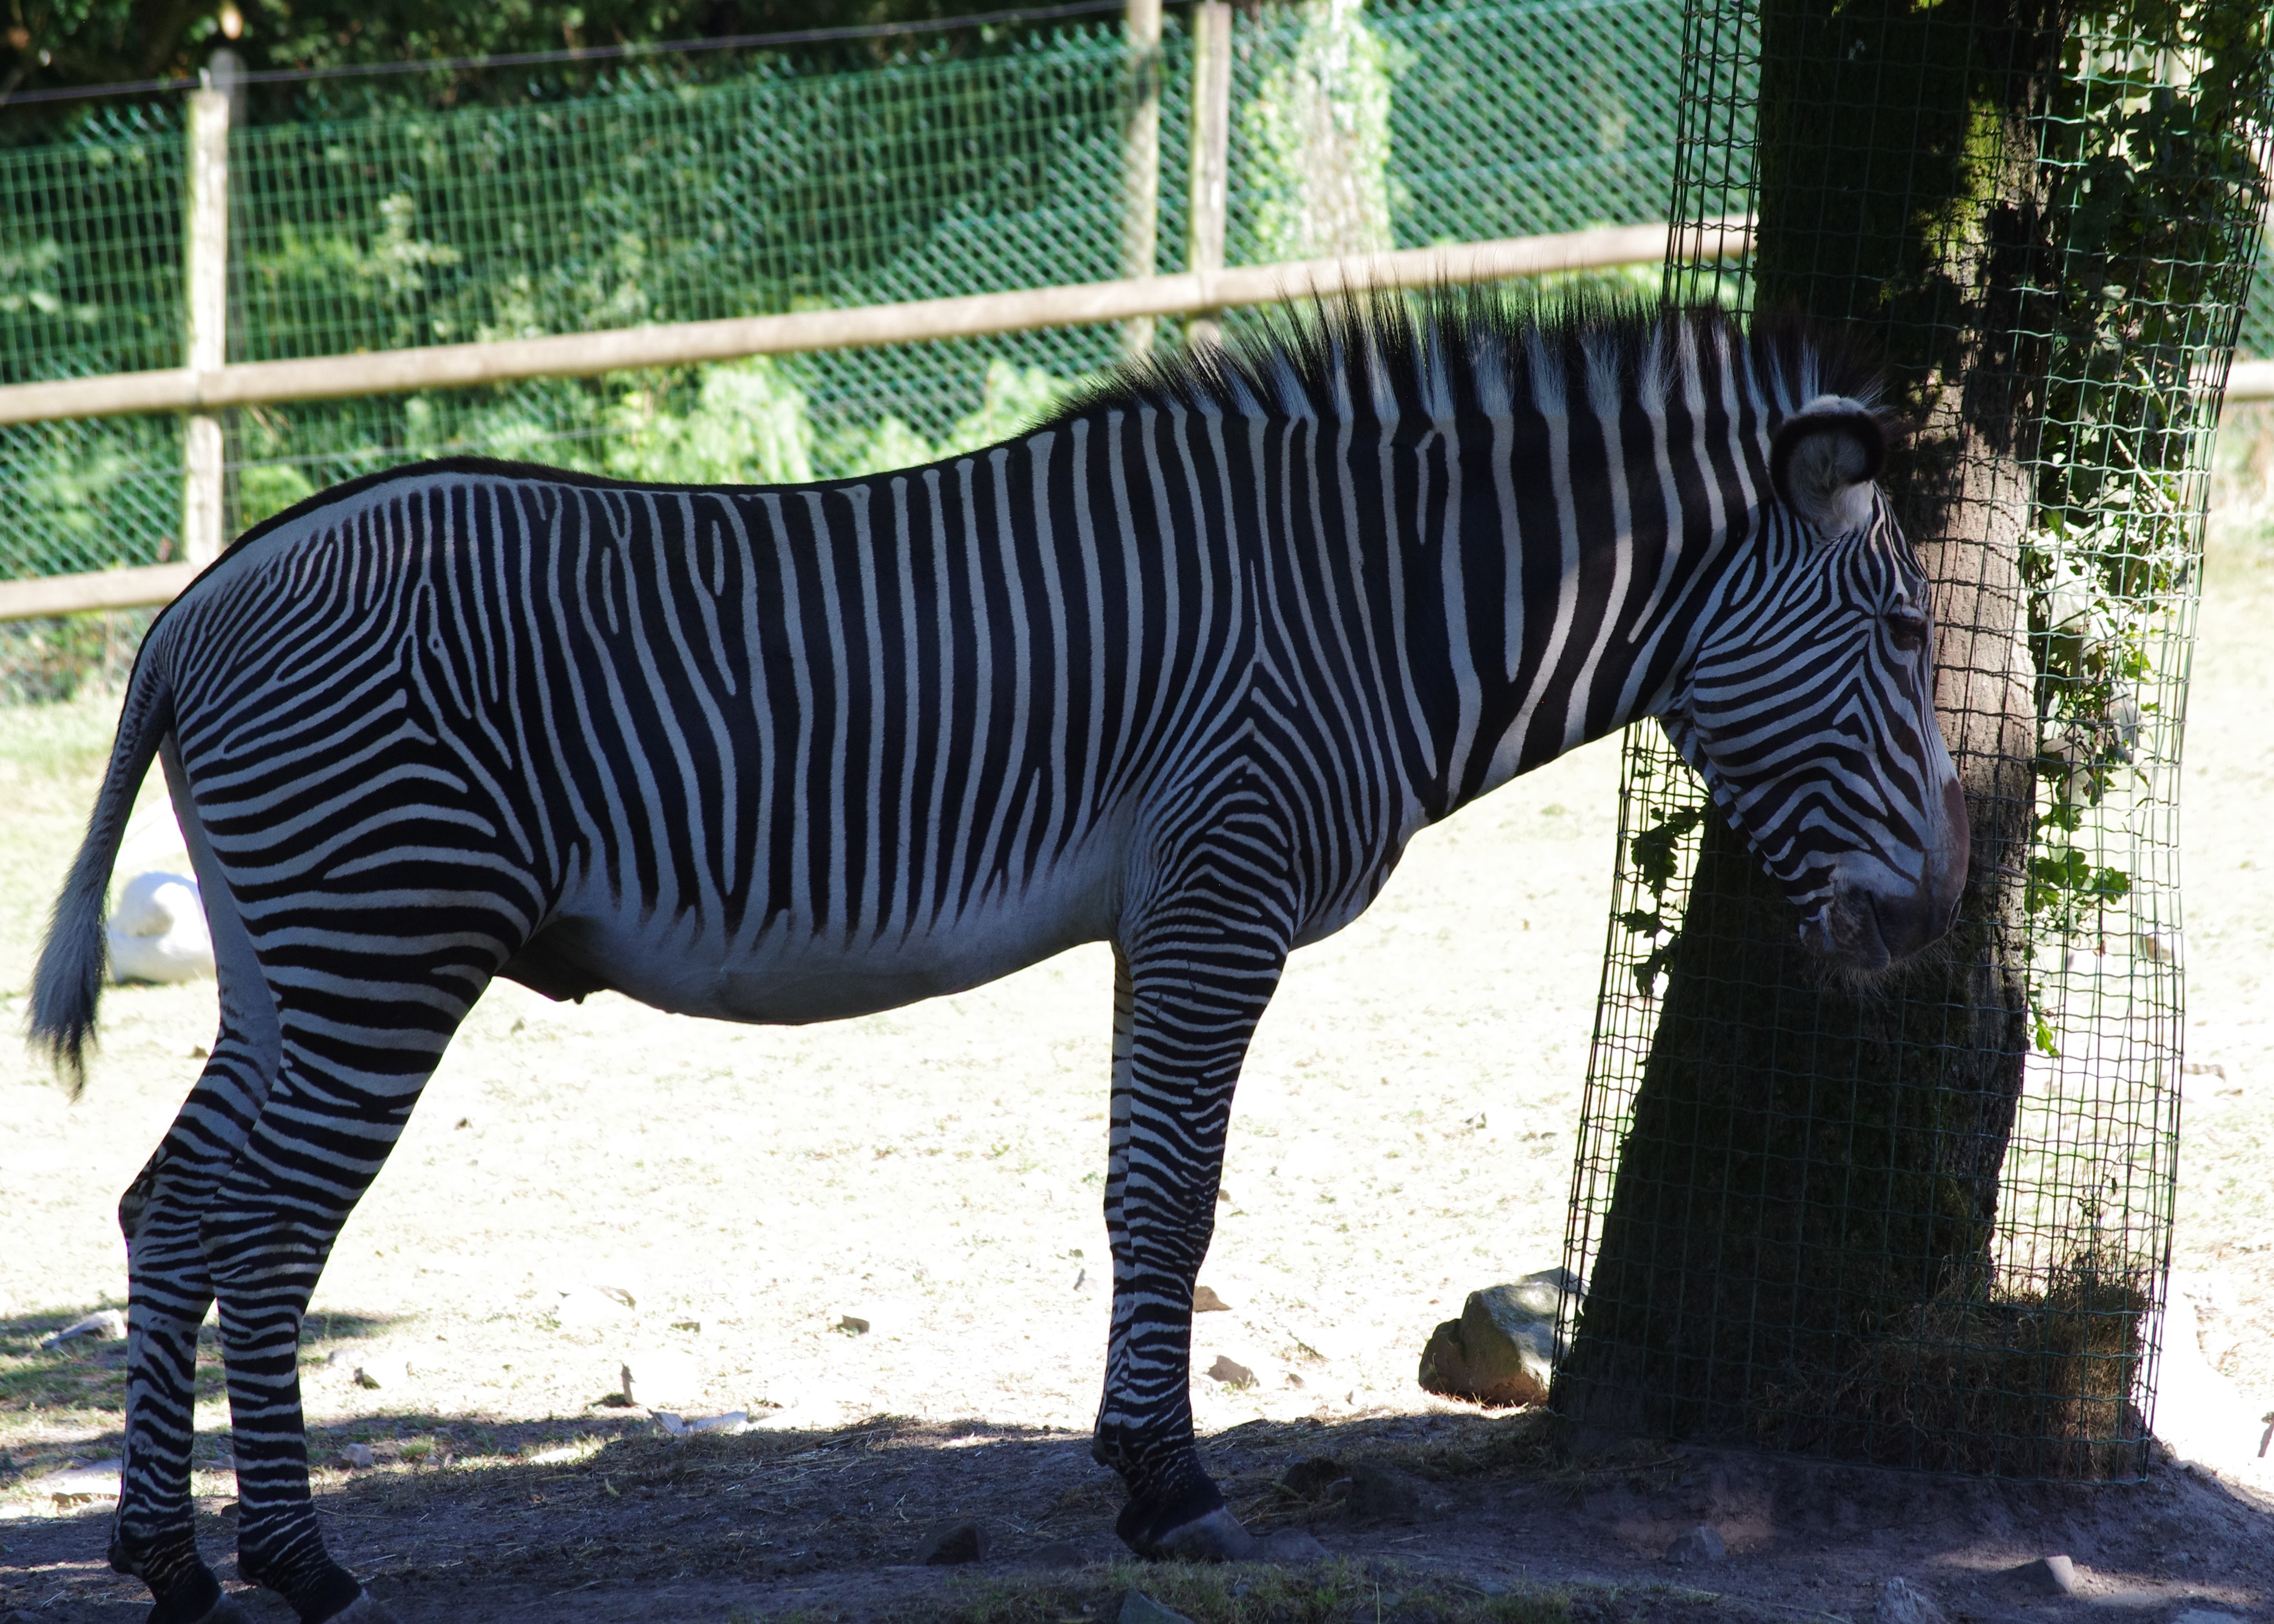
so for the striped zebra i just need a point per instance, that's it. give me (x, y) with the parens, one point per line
(1181, 670)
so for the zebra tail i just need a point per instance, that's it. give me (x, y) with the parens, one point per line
(68, 984)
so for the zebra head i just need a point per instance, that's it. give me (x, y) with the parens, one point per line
(1809, 706)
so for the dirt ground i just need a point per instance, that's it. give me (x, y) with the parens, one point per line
(590, 1186)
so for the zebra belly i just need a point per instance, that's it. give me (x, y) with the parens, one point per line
(794, 972)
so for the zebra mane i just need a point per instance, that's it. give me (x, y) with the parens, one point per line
(1447, 351)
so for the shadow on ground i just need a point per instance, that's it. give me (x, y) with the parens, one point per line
(84, 1379)
(1443, 1517)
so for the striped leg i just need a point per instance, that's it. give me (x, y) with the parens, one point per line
(361, 1032)
(169, 1289)
(1185, 1006)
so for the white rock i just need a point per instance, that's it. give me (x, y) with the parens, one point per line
(104, 1325)
(2200, 1414)
(677, 1425)
(1901, 1603)
(653, 1376)
(383, 1371)
(357, 1454)
(158, 932)
(583, 1306)
(733, 1421)
(90, 1479)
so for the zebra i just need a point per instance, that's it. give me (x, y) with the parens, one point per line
(1181, 669)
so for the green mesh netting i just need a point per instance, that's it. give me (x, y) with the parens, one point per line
(1926, 1222)
(790, 183)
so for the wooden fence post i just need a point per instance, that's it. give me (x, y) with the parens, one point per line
(1211, 155)
(1141, 164)
(206, 285)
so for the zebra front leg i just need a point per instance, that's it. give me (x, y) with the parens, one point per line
(1182, 1020)
(168, 1291)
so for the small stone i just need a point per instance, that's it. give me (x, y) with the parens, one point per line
(2048, 1575)
(952, 1543)
(1230, 1373)
(104, 1325)
(1902, 1603)
(1698, 1545)
(1057, 1553)
(852, 1325)
(1205, 1301)
(357, 1454)
(2204, 1615)
(1139, 1608)
(1287, 1546)
(1382, 1492)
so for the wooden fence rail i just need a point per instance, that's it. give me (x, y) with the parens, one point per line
(203, 390)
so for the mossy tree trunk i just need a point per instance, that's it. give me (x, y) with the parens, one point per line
(1809, 1162)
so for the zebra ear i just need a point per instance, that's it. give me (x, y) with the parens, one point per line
(1823, 460)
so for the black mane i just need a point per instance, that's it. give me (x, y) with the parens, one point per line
(1345, 348)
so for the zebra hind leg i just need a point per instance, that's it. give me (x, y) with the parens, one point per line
(1182, 1020)
(168, 1292)
(360, 1034)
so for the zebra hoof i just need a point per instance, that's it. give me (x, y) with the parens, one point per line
(1215, 1537)
(364, 1609)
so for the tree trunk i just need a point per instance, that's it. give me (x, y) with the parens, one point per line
(1813, 1168)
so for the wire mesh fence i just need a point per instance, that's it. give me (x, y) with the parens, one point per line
(793, 181)
(1926, 1223)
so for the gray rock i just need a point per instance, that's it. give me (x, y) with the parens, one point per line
(1288, 1546)
(105, 1325)
(1139, 1608)
(952, 1543)
(1313, 1478)
(1231, 1372)
(2048, 1575)
(1383, 1493)
(2204, 1615)
(1205, 1301)
(1503, 1349)
(1701, 1544)
(1902, 1603)
(357, 1454)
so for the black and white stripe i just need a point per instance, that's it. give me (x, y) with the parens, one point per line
(1181, 670)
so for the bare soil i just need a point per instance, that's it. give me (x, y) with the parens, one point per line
(586, 1186)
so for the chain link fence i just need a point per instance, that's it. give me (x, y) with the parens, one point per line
(790, 182)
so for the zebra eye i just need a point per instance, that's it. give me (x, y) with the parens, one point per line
(1908, 627)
